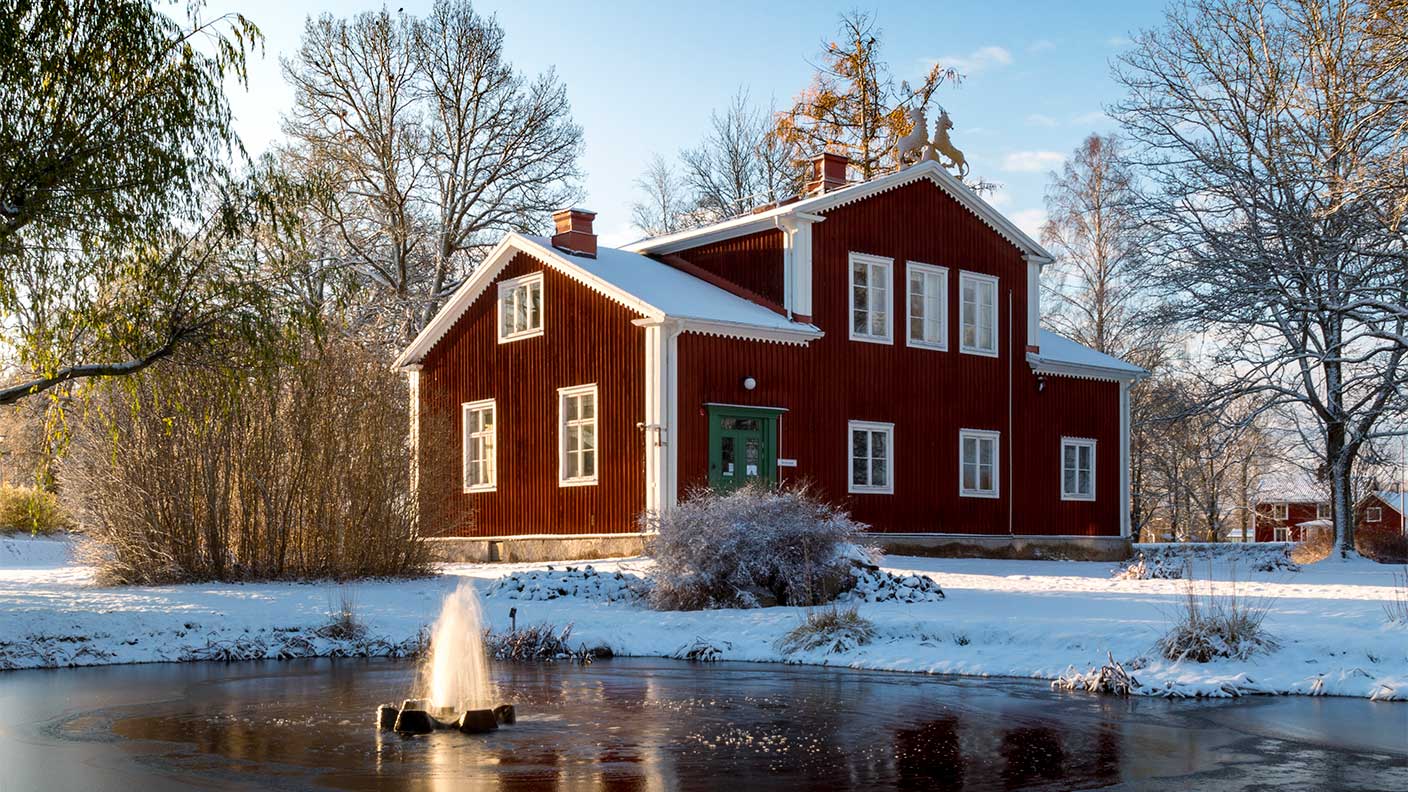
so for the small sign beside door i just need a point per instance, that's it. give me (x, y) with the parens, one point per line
(787, 463)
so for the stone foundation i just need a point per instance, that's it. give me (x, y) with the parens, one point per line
(1053, 548)
(510, 549)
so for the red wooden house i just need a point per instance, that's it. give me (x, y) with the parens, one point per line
(1290, 520)
(878, 339)
(1379, 512)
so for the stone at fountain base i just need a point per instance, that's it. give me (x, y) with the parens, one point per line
(386, 716)
(504, 714)
(415, 721)
(477, 721)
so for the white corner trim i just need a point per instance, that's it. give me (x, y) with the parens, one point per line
(1082, 442)
(996, 438)
(932, 269)
(1033, 301)
(869, 260)
(870, 426)
(1125, 527)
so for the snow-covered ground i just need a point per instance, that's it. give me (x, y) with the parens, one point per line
(1000, 618)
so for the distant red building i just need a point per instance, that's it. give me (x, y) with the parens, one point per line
(879, 340)
(1286, 520)
(1379, 512)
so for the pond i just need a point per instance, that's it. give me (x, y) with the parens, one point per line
(648, 724)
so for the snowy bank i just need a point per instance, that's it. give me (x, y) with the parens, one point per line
(1000, 618)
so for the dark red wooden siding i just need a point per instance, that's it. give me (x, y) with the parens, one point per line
(1392, 521)
(928, 395)
(753, 262)
(1297, 512)
(587, 338)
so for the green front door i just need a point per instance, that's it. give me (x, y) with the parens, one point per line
(742, 447)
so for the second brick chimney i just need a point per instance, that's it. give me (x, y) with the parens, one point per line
(574, 231)
(828, 173)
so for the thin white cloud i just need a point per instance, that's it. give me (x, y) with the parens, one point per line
(1041, 45)
(999, 198)
(1030, 221)
(1086, 119)
(1037, 119)
(978, 60)
(1118, 42)
(1031, 161)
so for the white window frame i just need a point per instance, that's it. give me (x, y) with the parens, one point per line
(1374, 514)
(468, 439)
(563, 394)
(963, 278)
(1077, 442)
(888, 265)
(508, 287)
(1281, 533)
(1280, 511)
(912, 268)
(981, 434)
(1322, 511)
(870, 426)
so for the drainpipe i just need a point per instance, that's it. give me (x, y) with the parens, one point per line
(1011, 439)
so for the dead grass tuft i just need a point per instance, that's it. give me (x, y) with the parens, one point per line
(834, 629)
(1216, 625)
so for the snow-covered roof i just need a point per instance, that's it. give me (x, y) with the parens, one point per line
(653, 289)
(1394, 500)
(1061, 355)
(1290, 484)
(808, 209)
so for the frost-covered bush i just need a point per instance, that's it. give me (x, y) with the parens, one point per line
(750, 548)
(833, 629)
(1212, 626)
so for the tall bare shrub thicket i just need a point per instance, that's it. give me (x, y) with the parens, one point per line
(289, 472)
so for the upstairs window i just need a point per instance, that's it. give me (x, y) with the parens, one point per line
(977, 463)
(872, 457)
(480, 468)
(521, 307)
(978, 314)
(927, 297)
(577, 414)
(1280, 511)
(1077, 469)
(870, 299)
(1322, 511)
(1374, 514)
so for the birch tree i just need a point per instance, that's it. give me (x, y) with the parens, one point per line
(434, 145)
(1252, 122)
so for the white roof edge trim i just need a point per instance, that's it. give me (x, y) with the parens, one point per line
(484, 274)
(857, 192)
(1082, 371)
(798, 336)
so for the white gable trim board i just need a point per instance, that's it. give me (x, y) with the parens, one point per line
(512, 244)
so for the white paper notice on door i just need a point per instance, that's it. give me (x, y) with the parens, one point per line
(752, 470)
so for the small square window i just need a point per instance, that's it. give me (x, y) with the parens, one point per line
(870, 299)
(521, 308)
(927, 297)
(872, 457)
(480, 430)
(978, 463)
(1281, 533)
(977, 314)
(1077, 469)
(1280, 511)
(1374, 514)
(577, 422)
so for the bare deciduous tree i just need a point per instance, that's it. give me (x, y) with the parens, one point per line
(1251, 124)
(663, 207)
(433, 145)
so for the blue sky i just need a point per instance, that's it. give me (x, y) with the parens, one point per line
(643, 77)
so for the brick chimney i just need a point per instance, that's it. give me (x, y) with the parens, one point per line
(828, 173)
(574, 231)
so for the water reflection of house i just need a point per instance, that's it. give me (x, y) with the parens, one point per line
(877, 339)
